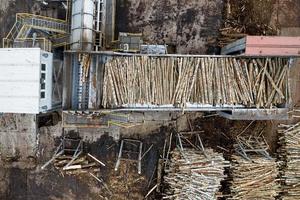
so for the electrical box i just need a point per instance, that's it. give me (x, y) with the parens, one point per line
(130, 42)
(25, 80)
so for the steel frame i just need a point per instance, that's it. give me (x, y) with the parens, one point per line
(138, 161)
(61, 149)
(246, 146)
(182, 138)
(239, 112)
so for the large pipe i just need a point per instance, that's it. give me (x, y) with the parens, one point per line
(82, 28)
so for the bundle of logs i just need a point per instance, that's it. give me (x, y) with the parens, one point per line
(194, 175)
(290, 156)
(147, 80)
(82, 165)
(255, 179)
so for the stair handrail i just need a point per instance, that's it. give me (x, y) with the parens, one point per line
(61, 28)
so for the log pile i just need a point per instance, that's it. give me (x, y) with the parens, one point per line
(289, 154)
(194, 176)
(255, 179)
(146, 80)
(82, 165)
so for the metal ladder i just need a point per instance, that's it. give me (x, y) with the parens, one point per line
(82, 90)
(99, 24)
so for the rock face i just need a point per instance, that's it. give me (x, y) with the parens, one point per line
(189, 26)
(8, 10)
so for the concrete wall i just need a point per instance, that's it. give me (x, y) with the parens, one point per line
(17, 135)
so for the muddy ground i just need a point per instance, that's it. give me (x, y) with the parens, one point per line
(188, 26)
(23, 179)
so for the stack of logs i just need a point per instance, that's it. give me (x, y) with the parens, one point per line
(82, 165)
(192, 175)
(251, 82)
(289, 154)
(255, 179)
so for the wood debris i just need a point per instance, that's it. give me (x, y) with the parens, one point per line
(255, 179)
(82, 165)
(146, 80)
(246, 145)
(289, 154)
(246, 17)
(194, 176)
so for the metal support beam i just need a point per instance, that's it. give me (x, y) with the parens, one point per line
(256, 114)
(138, 160)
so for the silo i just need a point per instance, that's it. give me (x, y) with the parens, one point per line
(82, 28)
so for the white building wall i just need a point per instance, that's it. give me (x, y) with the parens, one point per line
(20, 80)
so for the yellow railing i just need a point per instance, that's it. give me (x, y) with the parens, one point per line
(44, 43)
(29, 15)
(27, 20)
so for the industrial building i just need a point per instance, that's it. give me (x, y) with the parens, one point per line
(130, 99)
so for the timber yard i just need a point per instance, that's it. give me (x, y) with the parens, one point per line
(155, 100)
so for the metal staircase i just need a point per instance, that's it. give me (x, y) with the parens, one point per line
(26, 22)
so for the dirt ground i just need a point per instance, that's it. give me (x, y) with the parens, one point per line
(188, 26)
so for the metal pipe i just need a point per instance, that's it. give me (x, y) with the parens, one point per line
(82, 34)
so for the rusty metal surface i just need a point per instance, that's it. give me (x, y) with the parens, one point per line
(256, 114)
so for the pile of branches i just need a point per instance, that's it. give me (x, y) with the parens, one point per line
(194, 175)
(289, 154)
(147, 80)
(246, 17)
(254, 179)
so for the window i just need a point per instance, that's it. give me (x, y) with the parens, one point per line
(43, 86)
(42, 95)
(43, 76)
(43, 67)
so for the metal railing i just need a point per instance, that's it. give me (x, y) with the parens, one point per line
(42, 43)
(25, 22)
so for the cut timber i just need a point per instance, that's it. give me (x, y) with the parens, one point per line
(96, 160)
(289, 153)
(146, 81)
(72, 167)
(199, 178)
(255, 179)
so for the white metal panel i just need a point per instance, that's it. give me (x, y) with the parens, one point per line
(47, 60)
(19, 80)
(19, 89)
(28, 105)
